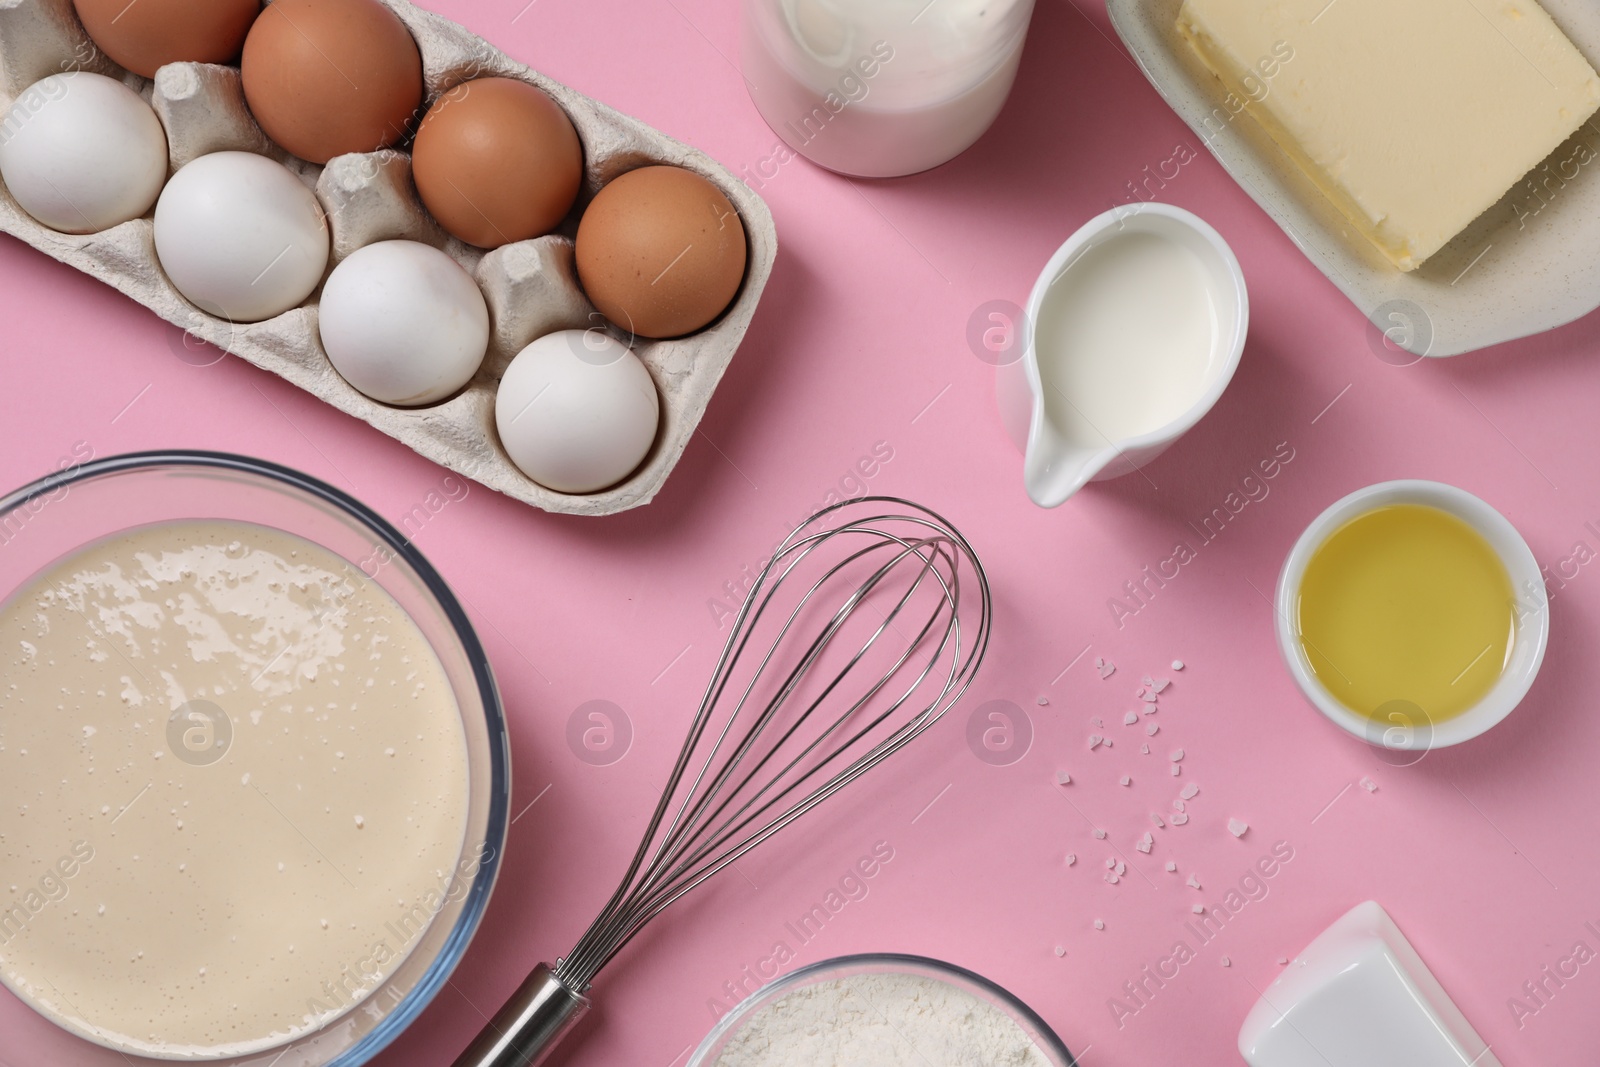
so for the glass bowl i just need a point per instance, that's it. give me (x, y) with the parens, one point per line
(85, 502)
(1026, 1018)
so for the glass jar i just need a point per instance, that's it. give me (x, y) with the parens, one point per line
(880, 88)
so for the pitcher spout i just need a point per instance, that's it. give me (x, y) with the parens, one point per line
(1054, 467)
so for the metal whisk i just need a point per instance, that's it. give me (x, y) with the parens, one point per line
(861, 631)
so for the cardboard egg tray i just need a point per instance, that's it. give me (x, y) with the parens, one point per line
(531, 286)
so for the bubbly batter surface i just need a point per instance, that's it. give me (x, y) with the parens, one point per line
(233, 788)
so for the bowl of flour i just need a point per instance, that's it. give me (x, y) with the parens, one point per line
(882, 1011)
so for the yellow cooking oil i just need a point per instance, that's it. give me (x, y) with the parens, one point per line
(1406, 602)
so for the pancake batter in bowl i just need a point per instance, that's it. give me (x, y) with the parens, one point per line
(233, 789)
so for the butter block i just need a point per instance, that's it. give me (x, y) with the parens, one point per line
(1413, 117)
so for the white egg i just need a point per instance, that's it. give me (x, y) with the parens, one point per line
(577, 411)
(240, 236)
(82, 153)
(403, 323)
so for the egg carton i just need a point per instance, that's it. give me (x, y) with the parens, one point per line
(531, 287)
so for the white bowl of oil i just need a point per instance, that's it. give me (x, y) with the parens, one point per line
(1413, 615)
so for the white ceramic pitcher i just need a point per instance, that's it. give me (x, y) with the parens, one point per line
(1062, 459)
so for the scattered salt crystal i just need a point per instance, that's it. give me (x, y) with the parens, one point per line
(1146, 680)
(1060, 951)
(1145, 749)
(1198, 909)
(1177, 664)
(1146, 842)
(324, 923)
(1107, 742)
(1099, 835)
(1369, 785)
(1176, 770)
(1138, 693)
(1042, 701)
(1152, 728)
(1126, 780)
(1111, 876)
(1193, 882)
(1172, 867)
(1095, 741)
(1151, 709)
(1179, 819)
(1096, 722)
(1177, 804)
(1156, 819)
(1237, 827)
(1099, 924)
(1122, 868)
(1163, 685)
(1063, 778)
(1225, 962)
(101, 910)
(360, 822)
(1072, 858)
(388, 752)
(1149, 697)
(1177, 754)
(1188, 792)
(1111, 863)
(105, 809)
(1130, 718)
(1107, 668)
(1283, 961)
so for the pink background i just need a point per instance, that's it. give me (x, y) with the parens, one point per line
(1485, 854)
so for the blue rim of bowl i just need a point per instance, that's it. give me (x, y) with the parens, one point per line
(455, 946)
(1053, 1047)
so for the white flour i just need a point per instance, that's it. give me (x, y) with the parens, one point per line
(880, 1020)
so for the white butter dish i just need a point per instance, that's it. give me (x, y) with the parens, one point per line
(1360, 996)
(1526, 266)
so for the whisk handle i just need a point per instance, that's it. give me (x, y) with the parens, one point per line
(530, 1025)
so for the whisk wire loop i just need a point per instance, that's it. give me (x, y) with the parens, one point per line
(759, 741)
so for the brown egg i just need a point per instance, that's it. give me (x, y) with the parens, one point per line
(496, 160)
(326, 77)
(660, 251)
(147, 34)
